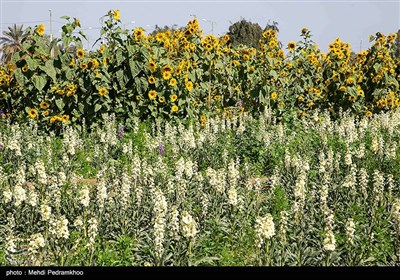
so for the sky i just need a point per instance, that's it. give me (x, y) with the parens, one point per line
(352, 21)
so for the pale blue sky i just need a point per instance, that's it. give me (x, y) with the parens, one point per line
(352, 21)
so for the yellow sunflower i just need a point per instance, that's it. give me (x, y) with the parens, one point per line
(274, 96)
(80, 53)
(172, 82)
(151, 80)
(103, 91)
(173, 97)
(32, 113)
(174, 108)
(65, 118)
(116, 14)
(40, 29)
(161, 99)
(152, 66)
(166, 75)
(152, 94)
(189, 85)
(291, 45)
(368, 114)
(44, 105)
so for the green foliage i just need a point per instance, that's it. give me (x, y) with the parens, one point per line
(246, 33)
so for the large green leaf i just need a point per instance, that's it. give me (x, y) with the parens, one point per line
(19, 76)
(97, 107)
(49, 70)
(32, 64)
(39, 82)
(60, 104)
(134, 67)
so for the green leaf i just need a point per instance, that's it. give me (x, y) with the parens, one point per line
(32, 64)
(65, 17)
(49, 70)
(81, 108)
(83, 35)
(120, 58)
(97, 107)
(120, 78)
(60, 104)
(274, 74)
(39, 82)
(134, 67)
(19, 76)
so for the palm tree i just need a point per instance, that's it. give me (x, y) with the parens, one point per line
(12, 41)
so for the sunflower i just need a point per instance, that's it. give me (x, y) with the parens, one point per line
(103, 91)
(151, 80)
(80, 53)
(116, 14)
(44, 105)
(360, 92)
(45, 113)
(40, 29)
(172, 82)
(274, 96)
(161, 99)
(342, 88)
(72, 63)
(173, 97)
(189, 85)
(266, 33)
(60, 91)
(83, 66)
(25, 68)
(152, 94)
(32, 113)
(291, 45)
(352, 98)
(65, 118)
(167, 68)
(152, 66)
(350, 80)
(77, 22)
(300, 99)
(304, 31)
(166, 75)
(174, 108)
(203, 118)
(94, 64)
(102, 49)
(368, 114)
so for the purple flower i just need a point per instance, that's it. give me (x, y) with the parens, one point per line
(161, 149)
(120, 131)
(239, 103)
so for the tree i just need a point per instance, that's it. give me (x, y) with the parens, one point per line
(246, 33)
(397, 45)
(158, 29)
(12, 41)
(273, 26)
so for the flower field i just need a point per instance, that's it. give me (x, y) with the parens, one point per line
(179, 149)
(183, 73)
(242, 192)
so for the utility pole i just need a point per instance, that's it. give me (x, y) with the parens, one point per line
(212, 24)
(51, 34)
